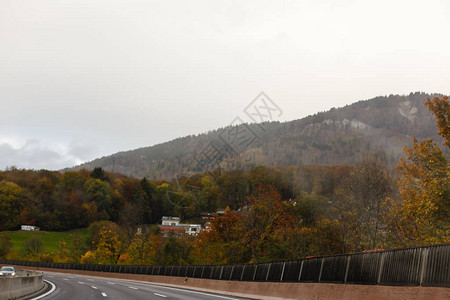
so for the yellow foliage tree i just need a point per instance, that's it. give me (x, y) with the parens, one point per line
(88, 258)
(440, 107)
(109, 247)
(143, 250)
(63, 253)
(422, 217)
(107, 251)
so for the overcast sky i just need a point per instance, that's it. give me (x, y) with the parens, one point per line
(86, 78)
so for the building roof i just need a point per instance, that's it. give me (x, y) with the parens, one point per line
(172, 228)
(170, 218)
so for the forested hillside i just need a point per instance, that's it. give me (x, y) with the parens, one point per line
(338, 136)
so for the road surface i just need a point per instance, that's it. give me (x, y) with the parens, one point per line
(76, 287)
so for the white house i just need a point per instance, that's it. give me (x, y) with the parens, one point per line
(172, 224)
(29, 228)
(170, 221)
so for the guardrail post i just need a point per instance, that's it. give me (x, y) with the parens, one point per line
(254, 274)
(282, 271)
(424, 264)
(346, 269)
(221, 272)
(321, 268)
(243, 271)
(301, 269)
(268, 270)
(231, 274)
(380, 269)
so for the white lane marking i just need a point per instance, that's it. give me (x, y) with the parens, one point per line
(65, 279)
(160, 295)
(110, 283)
(182, 290)
(48, 293)
(80, 282)
(169, 288)
(91, 279)
(132, 287)
(104, 294)
(94, 287)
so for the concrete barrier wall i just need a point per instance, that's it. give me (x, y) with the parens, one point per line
(279, 290)
(24, 283)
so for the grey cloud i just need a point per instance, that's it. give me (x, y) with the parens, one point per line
(33, 155)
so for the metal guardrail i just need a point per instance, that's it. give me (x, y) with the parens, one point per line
(424, 266)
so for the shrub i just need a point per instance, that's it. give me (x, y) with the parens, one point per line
(5, 244)
(33, 247)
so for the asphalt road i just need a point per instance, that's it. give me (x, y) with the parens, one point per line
(76, 287)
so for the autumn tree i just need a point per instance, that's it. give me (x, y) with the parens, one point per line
(268, 220)
(440, 107)
(359, 205)
(77, 249)
(12, 203)
(108, 248)
(342, 222)
(143, 250)
(71, 181)
(422, 217)
(262, 175)
(96, 228)
(209, 194)
(310, 208)
(43, 190)
(233, 189)
(370, 184)
(149, 189)
(155, 243)
(98, 173)
(136, 205)
(62, 255)
(100, 192)
(222, 243)
(175, 251)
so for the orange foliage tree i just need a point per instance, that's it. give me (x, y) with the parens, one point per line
(269, 221)
(222, 243)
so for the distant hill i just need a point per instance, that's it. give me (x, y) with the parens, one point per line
(336, 137)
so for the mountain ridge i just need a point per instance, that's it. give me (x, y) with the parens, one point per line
(334, 137)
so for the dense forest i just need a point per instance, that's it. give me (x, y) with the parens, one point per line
(335, 137)
(270, 213)
(62, 201)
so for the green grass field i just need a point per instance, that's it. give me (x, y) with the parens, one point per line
(50, 239)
